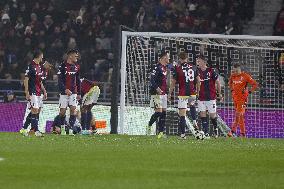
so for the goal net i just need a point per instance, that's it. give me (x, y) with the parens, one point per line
(262, 57)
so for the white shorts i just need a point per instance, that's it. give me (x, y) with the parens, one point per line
(35, 102)
(183, 101)
(65, 100)
(207, 105)
(158, 101)
(92, 96)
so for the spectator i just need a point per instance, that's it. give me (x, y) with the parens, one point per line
(9, 97)
(279, 25)
(54, 26)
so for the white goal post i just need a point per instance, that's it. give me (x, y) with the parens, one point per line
(259, 56)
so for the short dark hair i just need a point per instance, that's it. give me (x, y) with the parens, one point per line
(72, 51)
(182, 55)
(163, 53)
(37, 53)
(237, 65)
(202, 57)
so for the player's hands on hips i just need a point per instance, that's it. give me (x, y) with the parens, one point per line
(159, 91)
(68, 92)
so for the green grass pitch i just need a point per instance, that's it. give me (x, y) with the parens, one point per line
(122, 162)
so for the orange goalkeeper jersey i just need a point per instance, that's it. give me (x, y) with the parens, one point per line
(238, 84)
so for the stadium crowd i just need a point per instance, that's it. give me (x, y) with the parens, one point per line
(89, 25)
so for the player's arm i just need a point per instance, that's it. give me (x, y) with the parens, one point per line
(219, 89)
(26, 83)
(218, 84)
(253, 84)
(172, 87)
(197, 85)
(197, 81)
(44, 91)
(78, 82)
(173, 82)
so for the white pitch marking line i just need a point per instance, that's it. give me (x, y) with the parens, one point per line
(1, 159)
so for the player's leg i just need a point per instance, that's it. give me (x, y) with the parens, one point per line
(212, 109)
(92, 121)
(72, 101)
(87, 119)
(39, 110)
(93, 101)
(84, 114)
(203, 116)
(242, 110)
(26, 121)
(63, 103)
(156, 104)
(89, 116)
(35, 101)
(182, 106)
(162, 121)
(56, 125)
(72, 119)
(192, 109)
(237, 106)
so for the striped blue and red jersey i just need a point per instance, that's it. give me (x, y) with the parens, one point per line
(69, 78)
(158, 78)
(86, 86)
(34, 73)
(208, 79)
(185, 74)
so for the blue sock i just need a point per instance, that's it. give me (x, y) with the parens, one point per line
(27, 121)
(215, 126)
(162, 121)
(62, 120)
(72, 120)
(89, 120)
(193, 112)
(34, 121)
(84, 120)
(214, 122)
(205, 124)
(154, 118)
(182, 124)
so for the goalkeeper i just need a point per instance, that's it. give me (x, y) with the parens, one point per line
(238, 84)
(90, 93)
